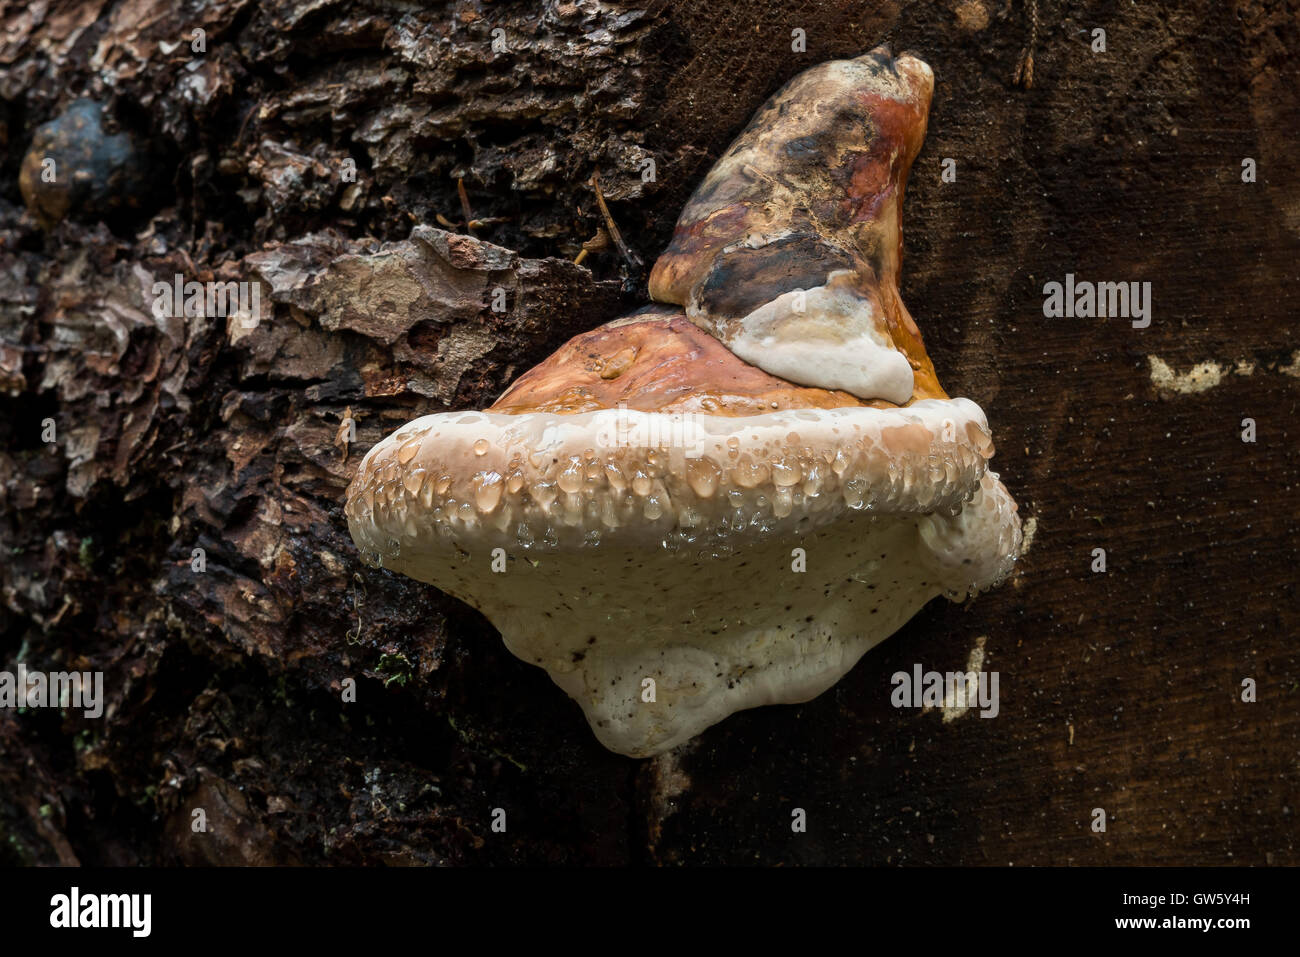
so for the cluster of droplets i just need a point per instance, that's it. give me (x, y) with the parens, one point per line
(741, 487)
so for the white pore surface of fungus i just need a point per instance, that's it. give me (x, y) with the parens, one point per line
(829, 337)
(668, 570)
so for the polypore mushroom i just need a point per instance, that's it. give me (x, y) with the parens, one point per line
(725, 500)
(789, 251)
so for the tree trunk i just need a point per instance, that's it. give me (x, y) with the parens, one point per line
(171, 488)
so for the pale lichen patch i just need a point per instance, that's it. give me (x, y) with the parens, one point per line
(1028, 531)
(1293, 370)
(1202, 377)
(956, 705)
(1208, 374)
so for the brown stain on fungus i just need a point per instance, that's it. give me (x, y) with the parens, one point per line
(664, 363)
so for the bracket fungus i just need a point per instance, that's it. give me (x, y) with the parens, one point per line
(724, 499)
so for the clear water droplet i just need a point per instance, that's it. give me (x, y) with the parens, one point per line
(413, 481)
(407, 452)
(570, 478)
(543, 493)
(748, 473)
(487, 491)
(702, 476)
(615, 476)
(786, 473)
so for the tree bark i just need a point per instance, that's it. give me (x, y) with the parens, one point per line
(224, 668)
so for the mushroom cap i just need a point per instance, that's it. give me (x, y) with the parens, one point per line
(721, 502)
(540, 479)
(647, 429)
(615, 532)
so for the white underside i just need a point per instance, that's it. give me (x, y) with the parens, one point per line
(753, 566)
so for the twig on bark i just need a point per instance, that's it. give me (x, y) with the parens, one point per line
(633, 261)
(1024, 75)
(597, 243)
(464, 206)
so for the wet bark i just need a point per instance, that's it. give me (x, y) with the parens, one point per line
(224, 668)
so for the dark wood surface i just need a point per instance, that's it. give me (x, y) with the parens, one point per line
(1119, 691)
